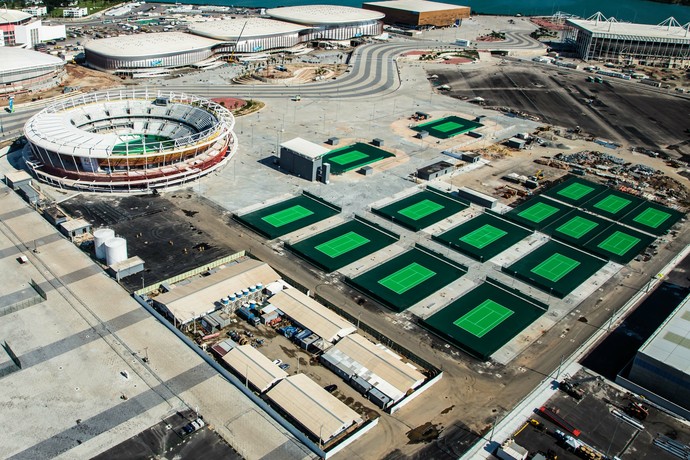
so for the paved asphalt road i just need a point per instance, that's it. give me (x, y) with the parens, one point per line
(374, 73)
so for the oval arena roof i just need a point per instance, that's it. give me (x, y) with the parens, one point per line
(230, 29)
(144, 45)
(12, 59)
(323, 14)
(12, 16)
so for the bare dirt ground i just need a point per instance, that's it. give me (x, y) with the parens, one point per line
(623, 112)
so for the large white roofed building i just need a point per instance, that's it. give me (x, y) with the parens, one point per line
(320, 413)
(250, 35)
(331, 22)
(22, 69)
(145, 51)
(605, 39)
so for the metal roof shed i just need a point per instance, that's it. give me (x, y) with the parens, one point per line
(320, 413)
(254, 367)
(380, 366)
(202, 295)
(312, 315)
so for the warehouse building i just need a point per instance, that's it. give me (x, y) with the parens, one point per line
(311, 315)
(662, 364)
(312, 407)
(253, 367)
(419, 13)
(373, 370)
(600, 39)
(186, 302)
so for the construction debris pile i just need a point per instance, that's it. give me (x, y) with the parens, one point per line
(637, 179)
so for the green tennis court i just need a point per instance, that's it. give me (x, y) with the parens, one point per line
(651, 217)
(354, 156)
(287, 216)
(447, 127)
(349, 157)
(555, 267)
(575, 191)
(577, 227)
(619, 243)
(408, 278)
(143, 143)
(612, 204)
(405, 279)
(483, 236)
(422, 209)
(483, 318)
(342, 244)
(538, 212)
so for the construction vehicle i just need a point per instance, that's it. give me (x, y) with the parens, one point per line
(588, 453)
(637, 410)
(537, 424)
(571, 389)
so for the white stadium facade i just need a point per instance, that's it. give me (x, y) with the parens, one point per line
(26, 70)
(128, 141)
(207, 41)
(605, 39)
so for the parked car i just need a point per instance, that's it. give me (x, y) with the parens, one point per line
(278, 362)
(284, 366)
(331, 388)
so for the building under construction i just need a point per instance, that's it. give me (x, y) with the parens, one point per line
(605, 39)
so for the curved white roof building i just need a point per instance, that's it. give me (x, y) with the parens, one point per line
(250, 35)
(317, 15)
(331, 22)
(289, 27)
(128, 140)
(13, 17)
(22, 69)
(143, 51)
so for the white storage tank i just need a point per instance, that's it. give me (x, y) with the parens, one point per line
(115, 250)
(100, 236)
